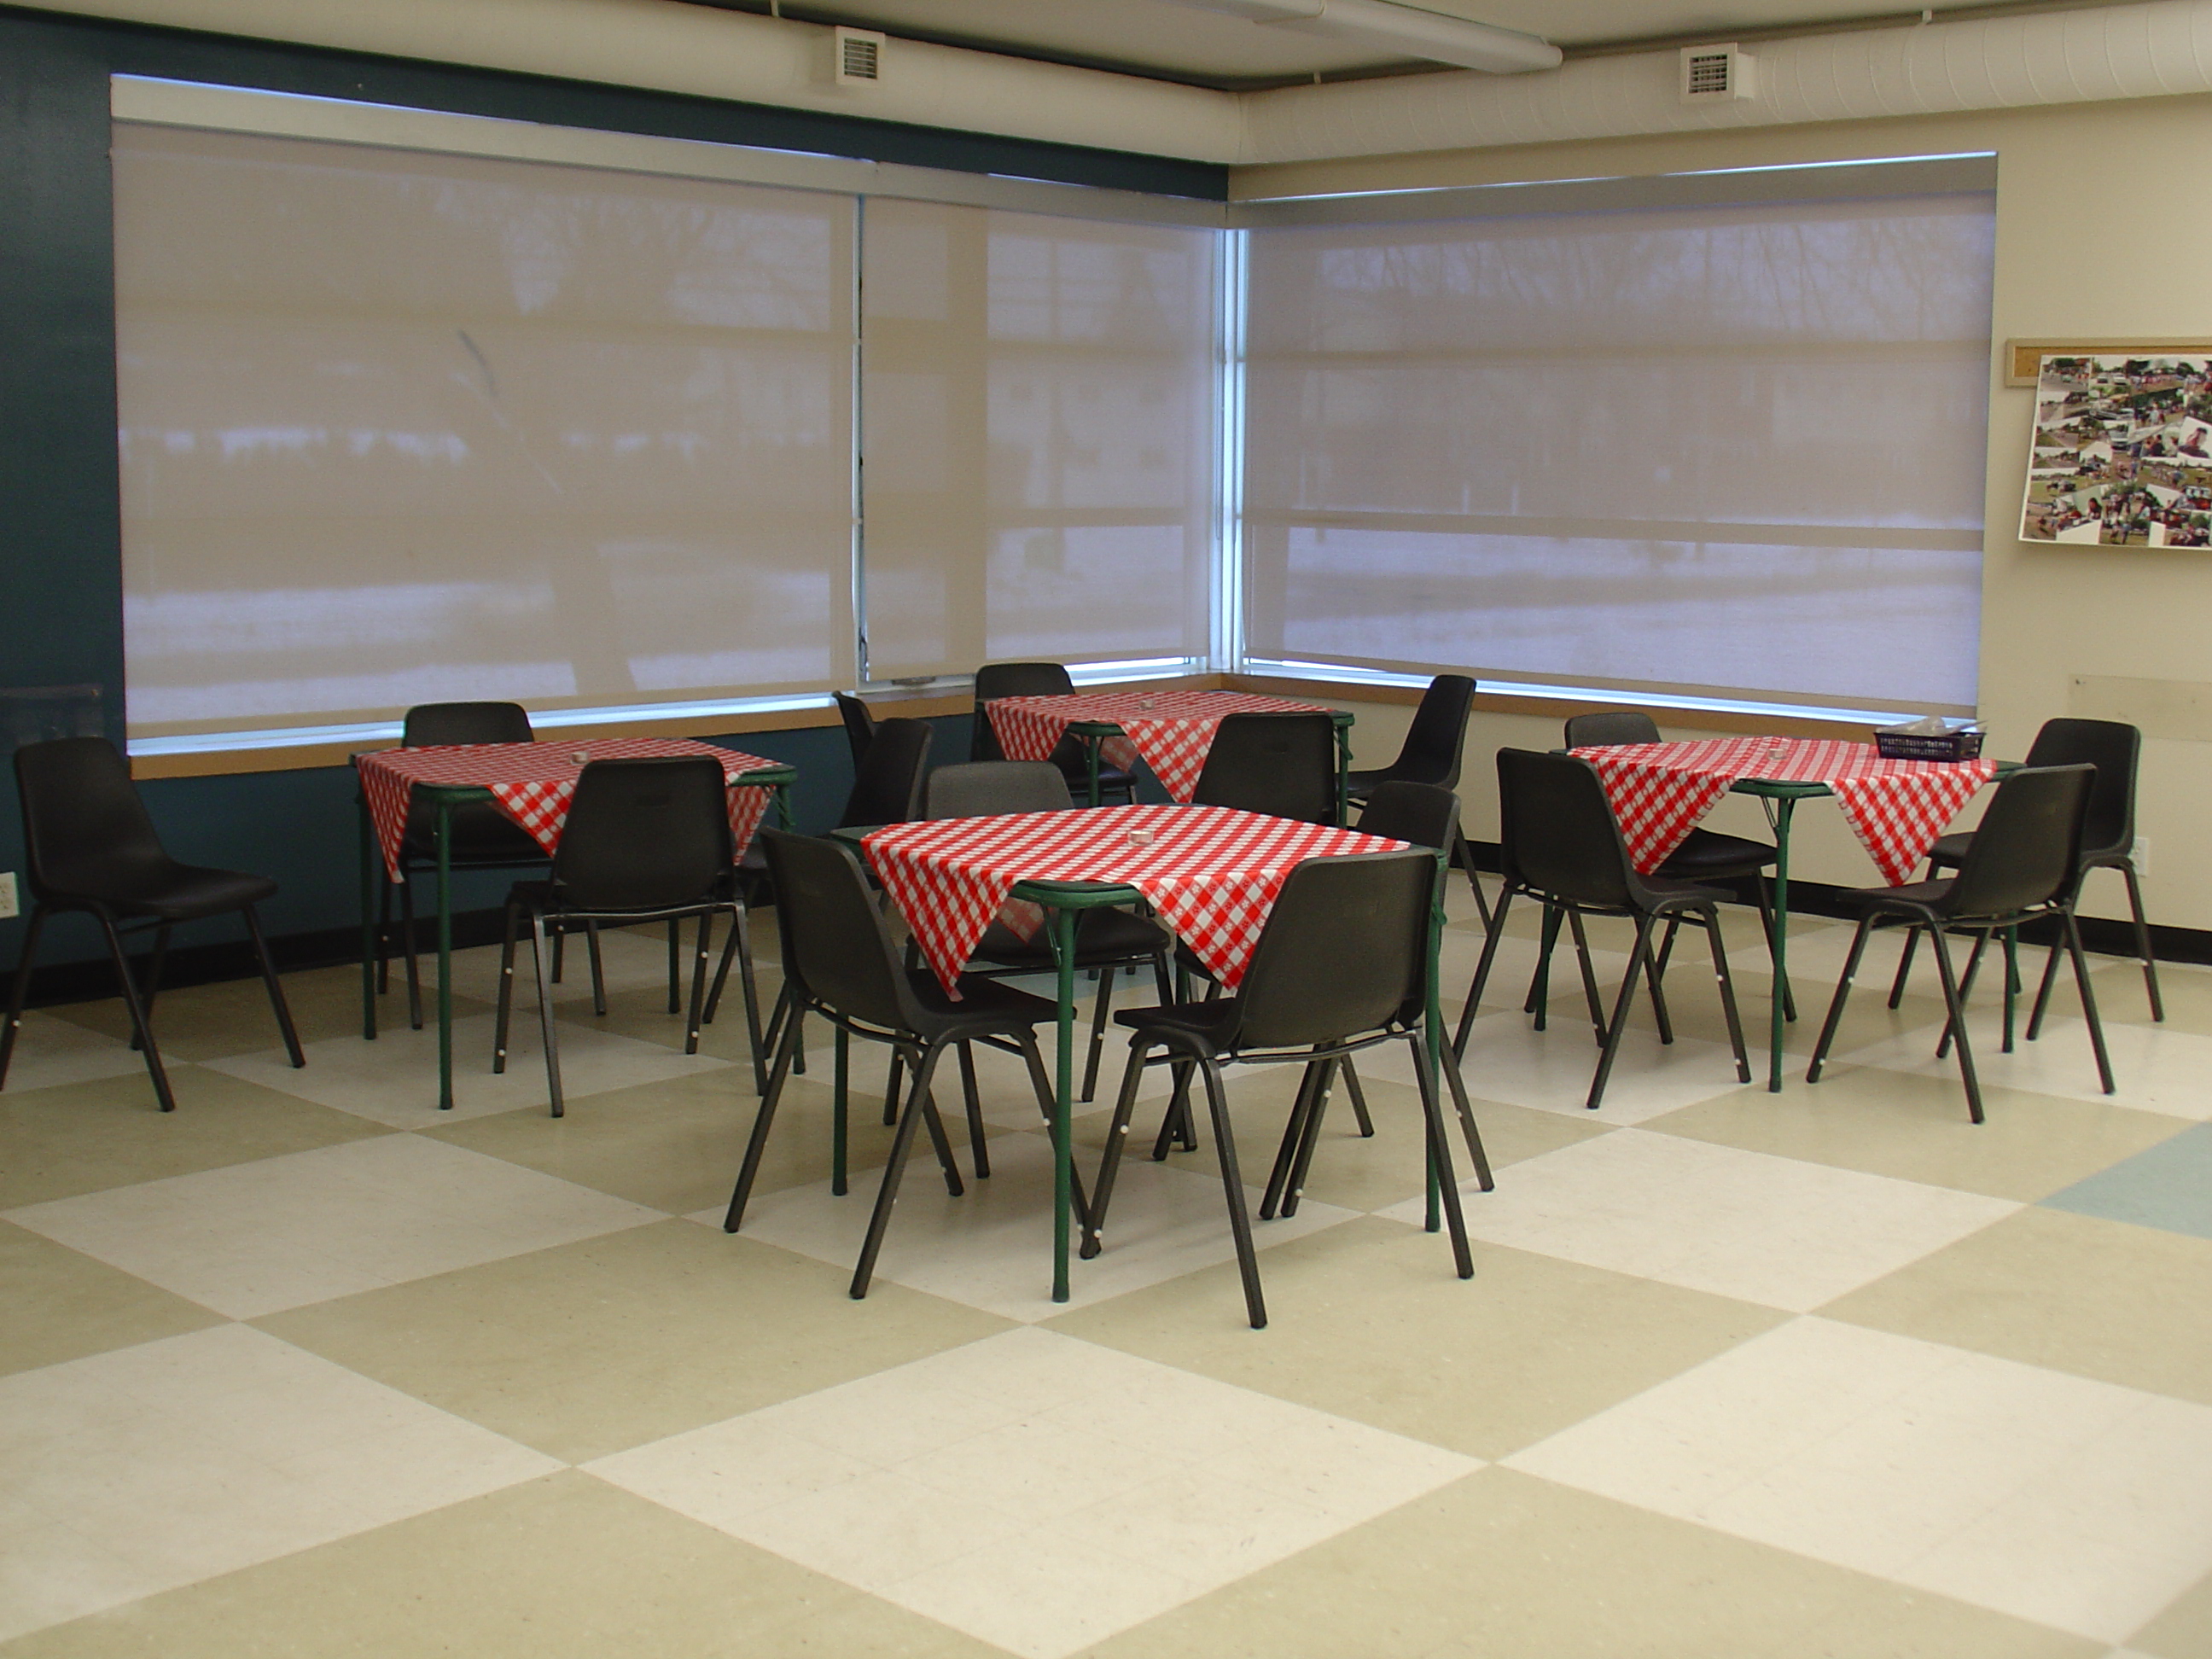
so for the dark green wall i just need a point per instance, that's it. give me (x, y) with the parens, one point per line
(60, 588)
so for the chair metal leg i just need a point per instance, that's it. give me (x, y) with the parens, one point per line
(1590, 996)
(1965, 988)
(1955, 1006)
(675, 965)
(763, 1116)
(1309, 1138)
(1463, 855)
(2043, 988)
(1232, 1188)
(500, 1019)
(156, 960)
(1540, 983)
(277, 1002)
(2011, 982)
(407, 950)
(699, 961)
(1653, 968)
(598, 968)
(540, 963)
(1357, 1097)
(974, 1102)
(2142, 938)
(1294, 1134)
(893, 1086)
(1637, 959)
(1117, 1136)
(1842, 993)
(1727, 983)
(1175, 1125)
(20, 988)
(1104, 1007)
(138, 1025)
(1765, 890)
(1469, 1009)
(383, 928)
(1041, 1083)
(1440, 1157)
(917, 1108)
(1457, 1084)
(2089, 1003)
(1904, 966)
(560, 955)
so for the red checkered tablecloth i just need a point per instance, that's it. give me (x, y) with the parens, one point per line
(1211, 873)
(1172, 731)
(1897, 808)
(533, 782)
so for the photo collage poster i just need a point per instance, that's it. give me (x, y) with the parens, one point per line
(2122, 453)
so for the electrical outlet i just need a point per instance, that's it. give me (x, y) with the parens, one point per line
(9, 906)
(2140, 852)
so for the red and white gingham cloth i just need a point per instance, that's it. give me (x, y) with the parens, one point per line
(1211, 873)
(1171, 730)
(1897, 808)
(533, 782)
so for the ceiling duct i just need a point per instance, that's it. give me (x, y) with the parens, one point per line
(1401, 31)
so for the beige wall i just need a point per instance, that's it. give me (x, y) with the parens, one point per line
(2101, 231)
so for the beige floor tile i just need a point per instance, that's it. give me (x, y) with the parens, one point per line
(1036, 1491)
(1551, 1070)
(88, 1137)
(52, 1048)
(561, 1567)
(2184, 1630)
(64, 1305)
(233, 1016)
(594, 1346)
(1711, 1218)
(1916, 1129)
(253, 1239)
(2154, 1067)
(2075, 1504)
(991, 1247)
(144, 1468)
(2184, 988)
(2075, 1292)
(1367, 1321)
(1499, 1565)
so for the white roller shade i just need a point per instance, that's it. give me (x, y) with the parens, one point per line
(1734, 452)
(1037, 437)
(401, 428)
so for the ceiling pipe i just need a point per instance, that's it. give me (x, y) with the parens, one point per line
(1403, 31)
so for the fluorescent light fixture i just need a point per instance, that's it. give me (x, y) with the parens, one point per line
(1401, 31)
(1133, 668)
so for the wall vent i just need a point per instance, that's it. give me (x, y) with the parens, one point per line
(1717, 75)
(858, 57)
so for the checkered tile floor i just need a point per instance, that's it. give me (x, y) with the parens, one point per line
(308, 1369)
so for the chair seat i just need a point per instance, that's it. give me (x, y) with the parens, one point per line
(1101, 935)
(988, 1002)
(173, 892)
(1951, 849)
(481, 835)
(1909, 899)
(1212, 1021)
(1706, 854)
(540, 896)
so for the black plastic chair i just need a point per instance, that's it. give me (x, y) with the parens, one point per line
(887, 782)
(1431, 753)
(2108, 841)
(2023, 863)
(1283, 765)
(90, 846)
(1705, 854)
(1562, 846)
(1341, 965)
(860, 724)
(646, 840)
(1040, 679)
(1106, 941)
(842, 964)
(482, 836)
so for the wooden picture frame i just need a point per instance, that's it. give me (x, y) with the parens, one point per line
(2023, 359)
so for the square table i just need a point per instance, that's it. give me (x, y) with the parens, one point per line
(1211, 873)
(532, 783)
(1897, 808)
(1172, 731)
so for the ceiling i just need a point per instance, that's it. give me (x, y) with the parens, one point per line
(1171, 41)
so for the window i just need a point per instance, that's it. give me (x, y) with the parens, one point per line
(1733, 451)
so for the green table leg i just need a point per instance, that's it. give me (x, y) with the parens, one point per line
(783, 820)
(1782, 809)
(1343, 784)
(841, 1047)
(1432, 1024)
(369, 857)
(1063, 1151)
(1092, 746)
(445, 836)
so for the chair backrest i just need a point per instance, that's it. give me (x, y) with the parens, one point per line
(1438, 737)
(860, 724)
(1560, 836)
(1283, 765)
(1422, 813)
(1010, 679)
(2115, 748)
(1345, 950)
(2026, 848)
(645, 835)
(982, 789)
(431, 724)
(83, 823)
(887, 781)
(834, 937)
(1608, 727)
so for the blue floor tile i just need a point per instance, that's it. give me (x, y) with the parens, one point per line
(2168, 1186)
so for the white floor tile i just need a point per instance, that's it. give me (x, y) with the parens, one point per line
(2076, 1503)
(1007, 1487)
(2154, 1068)
(50, 1051)
(254, 1238)
(633, 960)
(394, 1080)
(1551, 1069)
(1713, 1218)
(135, 1471)
(991, 1247)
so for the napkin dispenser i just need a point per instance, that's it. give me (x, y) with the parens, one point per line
(1928, 739)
